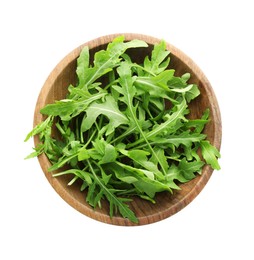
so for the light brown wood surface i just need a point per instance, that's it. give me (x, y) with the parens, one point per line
(55, 88)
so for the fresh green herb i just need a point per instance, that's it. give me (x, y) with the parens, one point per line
(130, 137)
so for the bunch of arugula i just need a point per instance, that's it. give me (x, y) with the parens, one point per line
(129, 136)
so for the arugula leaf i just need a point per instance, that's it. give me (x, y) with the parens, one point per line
(210, 154)
(48, 145)
(169, 123)
(171, 120)
(158, 62)
(104, 60)
(140, 157)
(108, 108)
(82, 66)
(192, 93)
(145, 182)
(37, 151)
(114, 201)
(156, 86)
(185, 138)
(103, 151)
(38, 129)
(84, 175)
(189, 168)
(69, 108)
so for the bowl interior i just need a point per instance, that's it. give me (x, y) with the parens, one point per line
(55, 88)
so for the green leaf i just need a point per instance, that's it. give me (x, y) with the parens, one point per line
(127, 89)
(186, 90)
(123, 174)
(106, 60)
(84, 175)
(155, 86)
(82, 66)
(198, 124)
(108, 108)
(192, 93)
(91, 194)
(210, 154)
(185, 138)
(155, 65)
(38, 150)
(102, 151)
(83, 154)
(163, 160)
(62, 162)
(158, 82)
(141, 172)
(105, 177)
(177, 82)
(40, 128)
(69, 108)
(185, 77)
(145, 182)
(169, 123)
(174, 173)
(171, 120)
(188, 169)
(140, 157)
(114, 201)
(110, 154)
(151, 187)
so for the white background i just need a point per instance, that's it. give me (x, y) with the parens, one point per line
(35, 223)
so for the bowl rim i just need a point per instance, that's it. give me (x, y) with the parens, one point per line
(86, 209)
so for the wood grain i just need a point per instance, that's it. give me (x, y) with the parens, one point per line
(55, 88)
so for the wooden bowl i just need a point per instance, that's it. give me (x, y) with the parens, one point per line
(55, 88)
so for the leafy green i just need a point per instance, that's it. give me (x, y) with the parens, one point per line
(130, 136)
(210, 154)
(40, 128)
(159, 59)
(68, 108)
(108, 108)
(116, 203)
(104, 60)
